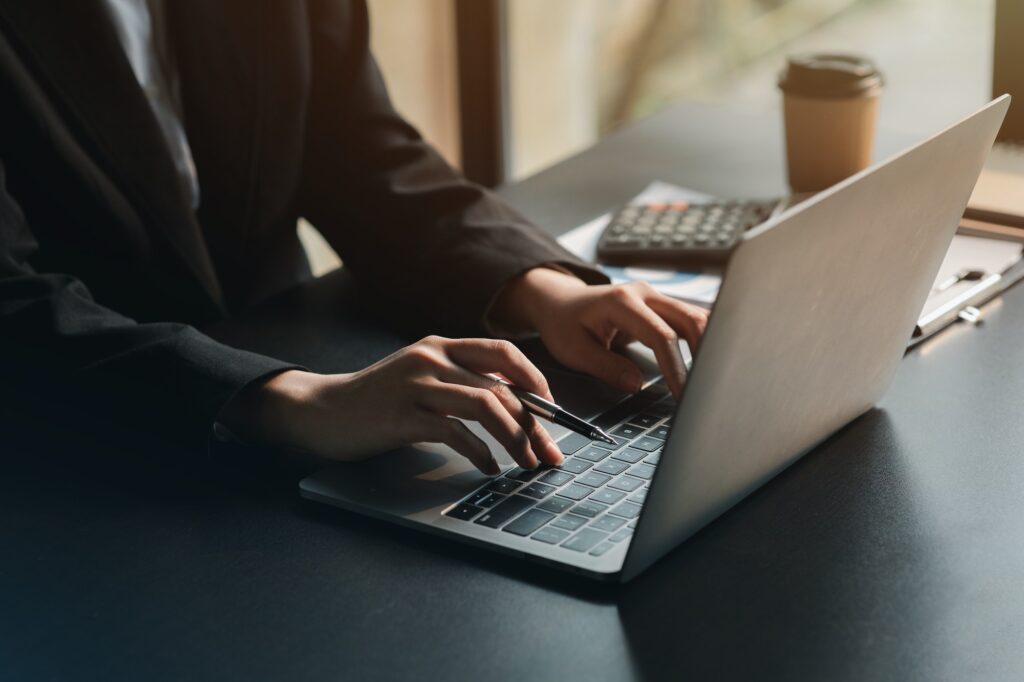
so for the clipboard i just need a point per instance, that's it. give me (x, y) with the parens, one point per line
(965, 304)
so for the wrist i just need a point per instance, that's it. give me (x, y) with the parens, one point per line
(269, 411)
(528, 298)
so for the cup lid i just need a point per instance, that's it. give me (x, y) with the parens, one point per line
(829, 75)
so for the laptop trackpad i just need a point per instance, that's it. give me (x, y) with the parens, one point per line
(403, 483)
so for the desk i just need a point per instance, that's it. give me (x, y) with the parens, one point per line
(895, 550)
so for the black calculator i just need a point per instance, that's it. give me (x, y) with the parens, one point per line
(679, 234)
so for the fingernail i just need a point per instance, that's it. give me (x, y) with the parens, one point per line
(630, 381)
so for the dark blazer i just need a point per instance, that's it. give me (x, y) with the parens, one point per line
(104, 266)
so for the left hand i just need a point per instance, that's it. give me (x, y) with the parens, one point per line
(583, 325)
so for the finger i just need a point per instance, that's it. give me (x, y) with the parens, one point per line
(636, 318)
(455, 435)
(489, 355)
(688, 321)
(480, 405)
(620, 340)
(543, 445)
(587, 354)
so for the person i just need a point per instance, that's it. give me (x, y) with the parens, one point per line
(154, 161)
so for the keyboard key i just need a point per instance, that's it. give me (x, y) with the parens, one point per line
(593, 454)
(528, 522)
(569, 522)
(642, 471)
(601, 549)
(575, 491)
(621, 535)
(646, 420)
(607, 496)
(524, 475)
(660, 432)
(665, 408)
(589, 509)
(584, 540)
(640, 496)
(571, 443)
(463, 512)
(627, 510)
(647, 444)
(593, 479)
(550, 536)
(653, 459)
(627, 483)
(476, 497)
(503, 485)
(630, 455)
(556, 478)
(575, 465)
(491, 500)
(619, 442)
(628, 431)
(501, 513)
(631, 525)
(612, 467)
(555, 504)
(537, 490)
(606, 522)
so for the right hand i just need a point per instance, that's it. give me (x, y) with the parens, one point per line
(414, 395)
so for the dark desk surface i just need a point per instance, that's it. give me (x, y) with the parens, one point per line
(894, 551)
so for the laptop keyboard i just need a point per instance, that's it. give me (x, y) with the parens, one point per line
(592, 500)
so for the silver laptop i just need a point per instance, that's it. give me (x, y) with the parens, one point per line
(814, 314)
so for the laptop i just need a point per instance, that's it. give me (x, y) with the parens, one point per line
(814, 314)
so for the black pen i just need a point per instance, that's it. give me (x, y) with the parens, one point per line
(553, 413)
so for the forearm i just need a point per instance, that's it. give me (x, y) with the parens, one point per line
(431, 246)
(527, 297)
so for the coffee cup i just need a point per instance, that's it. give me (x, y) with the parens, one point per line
(830, 103)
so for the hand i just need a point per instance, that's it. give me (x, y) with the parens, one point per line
(583, 325)
(411, 396)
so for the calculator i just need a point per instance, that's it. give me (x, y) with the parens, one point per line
(679, 234)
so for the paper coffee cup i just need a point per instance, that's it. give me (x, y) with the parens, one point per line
(830, 103)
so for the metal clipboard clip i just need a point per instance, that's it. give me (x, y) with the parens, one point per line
(965, 306)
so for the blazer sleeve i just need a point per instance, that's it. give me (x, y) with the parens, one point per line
(419, 238)
(61, 351)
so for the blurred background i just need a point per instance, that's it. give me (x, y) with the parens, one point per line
(505, 88)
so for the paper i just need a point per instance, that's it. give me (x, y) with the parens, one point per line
(696, 287)
(989, 256)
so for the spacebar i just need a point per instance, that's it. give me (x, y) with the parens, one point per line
(501, 513)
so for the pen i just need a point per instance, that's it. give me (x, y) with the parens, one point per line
(951, 310)
(553, 413)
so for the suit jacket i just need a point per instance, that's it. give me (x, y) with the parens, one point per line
(104, 266)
